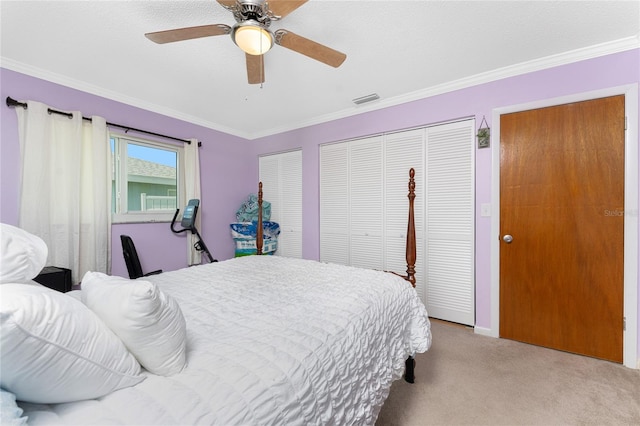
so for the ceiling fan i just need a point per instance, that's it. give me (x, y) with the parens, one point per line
(252, 34)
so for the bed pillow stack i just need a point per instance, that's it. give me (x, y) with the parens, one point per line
(149, 322)
(55, 348)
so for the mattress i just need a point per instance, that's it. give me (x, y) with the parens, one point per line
(271, 341)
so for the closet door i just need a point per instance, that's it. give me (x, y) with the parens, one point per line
(351, 203)
(404, 150)
(366, 197)
(334, 203)
(364, 210)
(281, 177)
(450, 222)
(363, 199)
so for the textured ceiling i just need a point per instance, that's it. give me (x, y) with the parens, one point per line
(401, 50)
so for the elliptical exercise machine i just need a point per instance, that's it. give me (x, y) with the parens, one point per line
(188, 223)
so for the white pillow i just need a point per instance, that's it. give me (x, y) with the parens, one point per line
(10, 413)
(22, 255)
(76, 294)
(149, 322)
(54, 349)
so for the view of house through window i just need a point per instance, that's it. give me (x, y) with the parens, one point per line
(145, 179)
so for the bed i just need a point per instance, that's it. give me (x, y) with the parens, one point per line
(248, 341)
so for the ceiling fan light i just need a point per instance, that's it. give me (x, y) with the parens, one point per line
(251, 37)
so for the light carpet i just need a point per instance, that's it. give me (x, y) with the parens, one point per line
(469, 379)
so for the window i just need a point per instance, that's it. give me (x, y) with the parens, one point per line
(147, 183)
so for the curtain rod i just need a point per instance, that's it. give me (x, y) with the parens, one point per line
(13, 103)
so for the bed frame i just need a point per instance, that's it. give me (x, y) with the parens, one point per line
(409, 374)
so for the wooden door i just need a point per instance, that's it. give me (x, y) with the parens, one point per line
(562, 202)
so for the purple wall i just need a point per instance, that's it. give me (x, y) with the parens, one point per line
(228, 171)
(585, 76)
(229, 168)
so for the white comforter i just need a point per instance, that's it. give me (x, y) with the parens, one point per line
(272, 341)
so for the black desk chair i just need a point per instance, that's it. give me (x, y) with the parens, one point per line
(131, 259)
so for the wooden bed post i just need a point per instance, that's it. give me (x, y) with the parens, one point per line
(409, 365)
(411, 231)
(259, 229)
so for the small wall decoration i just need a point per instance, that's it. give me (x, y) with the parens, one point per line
(484, 134)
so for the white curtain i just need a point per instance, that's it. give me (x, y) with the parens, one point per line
(192, 190)
(65, 191)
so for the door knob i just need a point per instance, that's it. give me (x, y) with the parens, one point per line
(507, 239)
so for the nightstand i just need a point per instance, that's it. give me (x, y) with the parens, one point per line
(56, 278)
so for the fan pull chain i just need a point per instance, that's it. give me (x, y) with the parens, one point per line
(261, 66)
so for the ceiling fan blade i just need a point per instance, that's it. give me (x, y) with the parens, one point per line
(282, 8)
(227, 3)
(179, 34)
(255, 68)
(309, 48)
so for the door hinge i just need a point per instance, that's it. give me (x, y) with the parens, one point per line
(624, 323)
(625, 122)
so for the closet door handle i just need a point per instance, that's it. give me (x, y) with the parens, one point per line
(507, 238)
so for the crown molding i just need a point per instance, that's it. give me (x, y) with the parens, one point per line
(113, 95)
(577, 55)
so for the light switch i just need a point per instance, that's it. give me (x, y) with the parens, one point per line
(485, 209)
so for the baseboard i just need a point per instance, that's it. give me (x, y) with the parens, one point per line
(484, 331)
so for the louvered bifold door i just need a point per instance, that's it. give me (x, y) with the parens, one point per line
(403, 151)
(334, 203)
(366, 196)
(290, 206)
(281, 177)
(450, 222)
